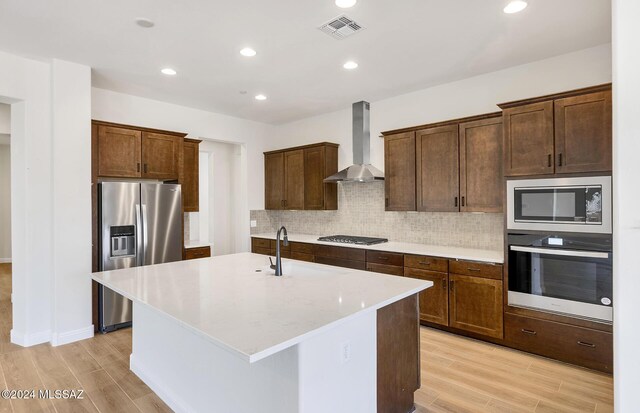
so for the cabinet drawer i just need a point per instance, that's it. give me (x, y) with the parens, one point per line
(260, 243)
(343, 253)
(338, 262)
(423, 262)
(263, 251)
(385, 269)
(272, 245)
(194, 253)
(302, 247)
(301, 256)
(386, 258)
(477, 269)
(577, 345)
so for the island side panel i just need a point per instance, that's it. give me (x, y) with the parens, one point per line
(191, 374)
(398, 342)
(338, 368)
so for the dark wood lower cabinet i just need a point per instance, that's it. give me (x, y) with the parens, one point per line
(385, 269)
(475, 304)
(339, 262)
(398, 354)
(198, 252)
(434, 301)
(577, 345)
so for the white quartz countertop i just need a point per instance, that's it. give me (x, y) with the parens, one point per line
(196, 243)
(232, 301)
(469, 254)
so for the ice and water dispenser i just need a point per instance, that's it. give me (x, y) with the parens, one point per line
(123, 241)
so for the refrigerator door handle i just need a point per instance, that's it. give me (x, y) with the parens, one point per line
(139, 237)
(145, 241)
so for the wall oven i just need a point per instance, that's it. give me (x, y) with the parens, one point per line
(560, 204)
(568, 275)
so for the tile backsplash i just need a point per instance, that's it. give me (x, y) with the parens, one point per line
(361, 212)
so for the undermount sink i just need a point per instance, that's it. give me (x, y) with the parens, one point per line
(300, 269)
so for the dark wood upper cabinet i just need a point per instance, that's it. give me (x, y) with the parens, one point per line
(528, 139)
(190, 177)
(160, 156)
(481, 165)
(319, 163)
(583, 133)
(568, 132)
(119, 152)
(294, 177)
(475, 305)
(274, 180)
(434, 301)
(400, 172)
(437, 169)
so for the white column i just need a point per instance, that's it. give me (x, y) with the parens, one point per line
(71, 149)
(626, 126)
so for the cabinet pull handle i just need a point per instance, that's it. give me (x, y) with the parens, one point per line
(462, 201)
(559, 159)
(383, 258)
(444, 283)
(145, 168)
(455, 201)
(451, 285)
(473, 269)
(285, 203)
(386, 202)
(585, 344)
(424, 263)
(549, 160)
(530, 332)
(138, 166)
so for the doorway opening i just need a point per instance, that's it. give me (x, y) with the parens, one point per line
(6, 311)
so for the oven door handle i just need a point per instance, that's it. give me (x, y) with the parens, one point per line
(566, 253)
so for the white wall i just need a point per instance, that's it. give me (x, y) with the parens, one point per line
(71, 181)
(5, 203)
(224, 201)
(626, 149)
(466, 97)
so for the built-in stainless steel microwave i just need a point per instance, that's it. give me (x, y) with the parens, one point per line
(560, 204)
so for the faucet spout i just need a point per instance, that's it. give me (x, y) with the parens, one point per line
(285, 242)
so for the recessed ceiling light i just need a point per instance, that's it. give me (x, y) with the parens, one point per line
(350, 65)
(248, 52)
(515, 6)
(345, 4)
(261, 97)
(169, 71)
(144, 22)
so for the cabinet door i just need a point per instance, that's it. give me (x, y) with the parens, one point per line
(583, 133)
(274, 180)
(314, 167)
(119, 152)
(400, 172)
(190, 178)
(481, 166)
(528, 139)
(437, 169)
(160, 156)
(294, 179)
(434, 301)
(475, 304)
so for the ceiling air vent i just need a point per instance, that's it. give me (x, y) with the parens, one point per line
(341, 27)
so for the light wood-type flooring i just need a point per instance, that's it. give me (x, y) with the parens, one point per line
(458, 375)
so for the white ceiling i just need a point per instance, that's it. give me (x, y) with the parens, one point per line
(407, 45)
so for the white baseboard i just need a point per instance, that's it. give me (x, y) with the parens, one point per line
(58, 339)
(28, 340)
(175, 404)
(5, 260)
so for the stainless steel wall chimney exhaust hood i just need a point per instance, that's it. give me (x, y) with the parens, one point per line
(361, 170)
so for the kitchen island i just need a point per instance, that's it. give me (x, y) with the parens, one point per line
(223, 334)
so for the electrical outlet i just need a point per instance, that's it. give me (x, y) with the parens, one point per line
(345, 352)
(254, 223)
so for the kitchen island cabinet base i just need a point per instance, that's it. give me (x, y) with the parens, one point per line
(332, 371)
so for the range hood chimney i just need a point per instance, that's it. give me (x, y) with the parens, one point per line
(361, 170)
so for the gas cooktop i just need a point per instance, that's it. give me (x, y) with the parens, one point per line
(347, 239)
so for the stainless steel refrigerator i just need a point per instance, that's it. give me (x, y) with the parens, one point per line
(140, 224)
